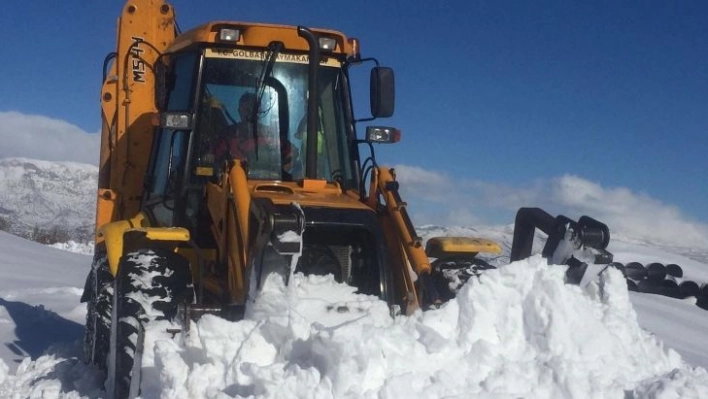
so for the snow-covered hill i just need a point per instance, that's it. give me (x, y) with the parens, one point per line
(45, 194)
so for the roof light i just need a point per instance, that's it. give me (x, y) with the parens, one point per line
(327, 43)
(229, 35)
(382, 134)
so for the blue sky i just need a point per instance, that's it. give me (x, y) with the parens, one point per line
(509, 94)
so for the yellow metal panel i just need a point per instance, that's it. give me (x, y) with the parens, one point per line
(313, 185)
(238, 219)
(105, 207)
(439, 247)
(204, 171)
(163, 233)
(112, 234)
(306, 192)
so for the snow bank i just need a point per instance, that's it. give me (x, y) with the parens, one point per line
(516, 332)
(50, 377)
(85, 248)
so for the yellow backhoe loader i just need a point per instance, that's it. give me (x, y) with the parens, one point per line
(229, 152)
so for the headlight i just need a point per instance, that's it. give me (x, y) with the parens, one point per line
(382, 134)
(176, 120)
(327, 43)
(229, 35)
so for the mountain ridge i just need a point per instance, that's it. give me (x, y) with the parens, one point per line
(46, 195)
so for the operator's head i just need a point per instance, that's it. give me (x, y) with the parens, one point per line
(245, 105)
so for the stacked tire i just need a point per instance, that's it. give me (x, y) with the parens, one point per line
(660, 279)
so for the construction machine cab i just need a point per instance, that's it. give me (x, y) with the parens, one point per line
(207, 127)
(200, 83)
(204, 84)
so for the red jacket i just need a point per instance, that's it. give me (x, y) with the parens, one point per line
(240, 144)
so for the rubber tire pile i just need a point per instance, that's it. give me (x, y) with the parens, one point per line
(660, 279)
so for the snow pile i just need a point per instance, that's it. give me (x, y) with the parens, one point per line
(516, 332)
(85, 248)
(50, 377)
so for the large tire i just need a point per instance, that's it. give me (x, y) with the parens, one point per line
(98, 311)
(151, 284)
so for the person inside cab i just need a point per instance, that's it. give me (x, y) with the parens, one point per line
(257, 144)
(301, 134)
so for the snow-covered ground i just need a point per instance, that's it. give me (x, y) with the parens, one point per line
(518, 331)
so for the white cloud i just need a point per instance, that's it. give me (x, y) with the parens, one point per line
(425, 184)
(441, 199)
(634, 214)
(40, 137)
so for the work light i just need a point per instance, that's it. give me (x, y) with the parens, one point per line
(176, 120)
(382, 134)
(327, 43)
(229, 35)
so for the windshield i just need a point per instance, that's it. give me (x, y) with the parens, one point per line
(271, 135)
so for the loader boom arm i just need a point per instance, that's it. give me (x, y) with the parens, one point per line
(410, 241)
(145, 29)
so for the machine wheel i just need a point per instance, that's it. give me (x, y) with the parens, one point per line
(151, 284)
(98, 311)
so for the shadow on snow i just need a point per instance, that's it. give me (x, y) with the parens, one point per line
(39, 330)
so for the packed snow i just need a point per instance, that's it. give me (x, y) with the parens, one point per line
(517, 331)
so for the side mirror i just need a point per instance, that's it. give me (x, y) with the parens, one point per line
(382, 92)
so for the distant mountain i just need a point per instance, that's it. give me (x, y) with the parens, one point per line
(43, 195)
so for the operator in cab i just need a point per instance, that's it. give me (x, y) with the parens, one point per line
(257, 144)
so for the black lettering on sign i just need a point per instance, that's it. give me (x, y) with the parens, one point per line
(137, 63)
